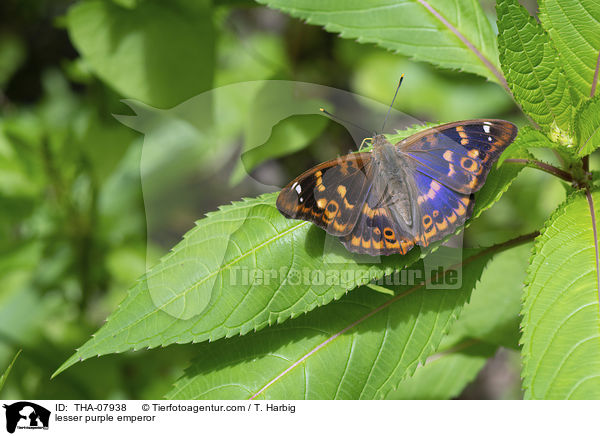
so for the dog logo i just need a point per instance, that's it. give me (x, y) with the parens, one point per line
(26, 415)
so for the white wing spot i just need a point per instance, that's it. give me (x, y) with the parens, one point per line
(486, 127)
(298, 189)
(490, 138)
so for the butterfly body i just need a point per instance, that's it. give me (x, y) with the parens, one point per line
(399, 195)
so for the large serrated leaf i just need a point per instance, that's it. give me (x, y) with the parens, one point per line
(127, 48)
(587, 122)
(561, 337)
(450, 34)
(574, 26)
(207, 287)
(532, 67)
(358, 347)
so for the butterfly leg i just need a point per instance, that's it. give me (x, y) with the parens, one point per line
(363, 141)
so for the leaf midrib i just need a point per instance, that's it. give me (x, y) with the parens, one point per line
(533, 69)
(158, 308)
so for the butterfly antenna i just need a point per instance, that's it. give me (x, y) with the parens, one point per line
(392, 103)
(330, 115)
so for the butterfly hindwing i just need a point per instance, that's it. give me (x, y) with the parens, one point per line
(330, 195)
(376, 232)
(459, 155)
(442, 210)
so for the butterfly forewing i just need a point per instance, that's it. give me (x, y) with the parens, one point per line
(330, 195)
(459, 155)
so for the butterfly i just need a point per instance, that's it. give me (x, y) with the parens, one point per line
(415, 192)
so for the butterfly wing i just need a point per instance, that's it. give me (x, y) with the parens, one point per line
(442, 210)
(459, 155)
(452, 162)
(330, 195)
(378, 231)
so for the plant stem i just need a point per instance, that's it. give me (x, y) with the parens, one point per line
(590, 200)
(595, 80)
(550, 169)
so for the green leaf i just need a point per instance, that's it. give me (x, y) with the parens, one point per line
(446, 374)
(492, 315)
(12, 55)
(453, 34)
(532, 67)
(561, 321)
(4, 376)
(587, 122)
(128, 48)
(574, 26)
(489, 319)
(211, 285)
(357, 348)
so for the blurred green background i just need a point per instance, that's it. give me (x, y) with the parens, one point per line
(72, 218)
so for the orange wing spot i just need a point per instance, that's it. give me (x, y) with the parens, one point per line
(319, 177)
(377, 245)
(442, 226)
(339, 227)
(368, 211)
(377, 231)
(427, 221)
(320, 188)
(331, 209)
(473, 183)
(348, 205)
(452, 218)
(464, 141)
(388, 233)
(344, 168)
(393, 245)
(460, 210)
(341, 190)
(433, 188)
(366, 244)
(468, 164)
(451, 171)
(405, 246)
(474, 153)
(321, 203)
(461, 132)
(449, 156)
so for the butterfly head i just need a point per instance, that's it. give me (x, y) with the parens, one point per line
(379, 141)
